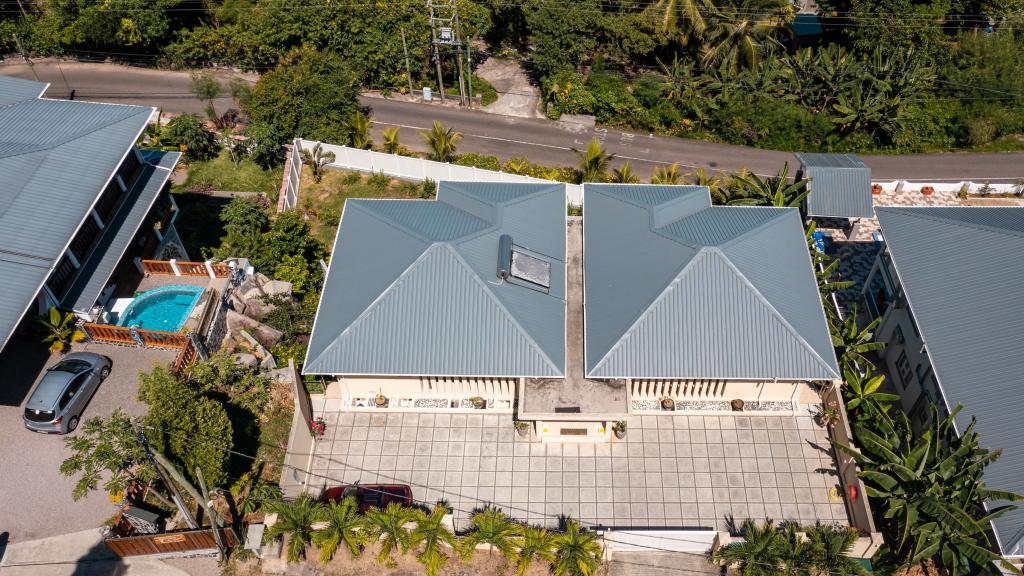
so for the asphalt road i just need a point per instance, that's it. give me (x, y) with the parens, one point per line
(539, 140)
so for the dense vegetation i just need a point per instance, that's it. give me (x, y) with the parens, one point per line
(883, 75)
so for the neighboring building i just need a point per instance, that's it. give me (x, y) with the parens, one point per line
(413, 307)
(78, 201)
(947, 286)
(840, 186)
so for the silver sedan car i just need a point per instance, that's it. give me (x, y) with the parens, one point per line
(57, 403)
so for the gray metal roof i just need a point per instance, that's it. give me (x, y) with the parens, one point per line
(96, 271)
(840, 185)
(56, 156)
(678, 288)
(413, 289)
(961, 270)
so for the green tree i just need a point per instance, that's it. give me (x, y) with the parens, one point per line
(107, 450)
(305, 277)
(431, 533)
(753, 190)
(391, 144)
(492, 527)
(317, 158)
(564, 35)
(667, 175)
(718, 186)
(534, 543)
(852, 342)
(741, 32)
(577, 552)
(240, 90)
(593, 162)
(295, 523)
(244, 216)
(757, 555)
(387, 527)
(688, 19)
(310, 94)
(624, 175)
(442, 142)
(829, 548)
(189, 134)
(192, 430)
(344, 526)
(207, 88)
(358, 128)
(929, 490)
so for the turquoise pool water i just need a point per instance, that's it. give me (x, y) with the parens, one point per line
(164, 308)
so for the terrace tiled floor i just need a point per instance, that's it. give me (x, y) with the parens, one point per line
(670, 471)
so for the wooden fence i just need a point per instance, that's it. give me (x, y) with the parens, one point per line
(183, 361)
(176, 268)
(169, 543)
(109, 334)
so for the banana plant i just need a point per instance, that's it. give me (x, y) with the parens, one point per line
(754, 190)
(852, 342)
(862, 396)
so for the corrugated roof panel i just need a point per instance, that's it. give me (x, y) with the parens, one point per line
(14, 90)
(407, 271)
(961, 270)
(840, 185)
(659, 307)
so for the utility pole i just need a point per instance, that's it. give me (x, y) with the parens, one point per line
(21, 49)
(445, 31)
(469, 77)
(215, 520)
(408, 70)
(178, 501)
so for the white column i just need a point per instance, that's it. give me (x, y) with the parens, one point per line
(138, 265)
(72, 259)
(209, 269)
(174, 266)
(97, 219)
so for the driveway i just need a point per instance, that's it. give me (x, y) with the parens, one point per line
(35, 499)
(670, 471)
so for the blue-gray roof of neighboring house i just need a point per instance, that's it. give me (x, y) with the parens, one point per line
(118, 233)
(840, 185)
(56, 156)
(961, 270)
(678, 288)
(413, 288)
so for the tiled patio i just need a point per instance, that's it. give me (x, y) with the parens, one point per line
(670, 471)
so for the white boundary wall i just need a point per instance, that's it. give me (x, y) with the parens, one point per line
(418, 169)
(293, 173)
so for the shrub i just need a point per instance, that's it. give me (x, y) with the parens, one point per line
(190, 135)
(567, 93)
(981, 131)
(352, 178)
(488, 94)
(479, 161)
(428, 189)
(241, 385)
(612, 100)
(379, 180)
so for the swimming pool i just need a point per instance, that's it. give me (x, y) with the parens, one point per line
(164, 308)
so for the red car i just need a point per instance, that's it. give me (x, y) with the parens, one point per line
(370, 496)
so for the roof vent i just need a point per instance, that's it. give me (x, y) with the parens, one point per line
(504, 256)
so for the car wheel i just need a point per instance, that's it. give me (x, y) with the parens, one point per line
(105, 372)
(72, 424)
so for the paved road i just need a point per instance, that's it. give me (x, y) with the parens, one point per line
(538, 139)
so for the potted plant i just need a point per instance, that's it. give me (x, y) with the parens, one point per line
(381, 401)
(927, 190)
(523, 428)
(619, 428)
(737, 405)
(59, 330)
(876, 189)
(478, 402)
(318, 426)
(829, 414)
(668, 403)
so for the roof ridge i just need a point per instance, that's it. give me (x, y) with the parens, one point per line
(924, 212)
(75, 137)
(772, 309)
(778, 213)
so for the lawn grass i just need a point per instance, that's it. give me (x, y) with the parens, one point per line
(198, 223)
(222, 174)
(325, 201)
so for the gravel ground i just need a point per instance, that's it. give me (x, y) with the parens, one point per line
(35, 499)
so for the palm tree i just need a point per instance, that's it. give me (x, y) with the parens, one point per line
(741, 32)
(387, 527)
(756, 555)
(491, 526)
(442, 141)
(794, 553)
(667, 175)
(577, 552)
(685, 17)
(625, 175)
(58, 329)
(431, 532)
(358, 129)
(295, 520)
(317, 158)
(853, 342)
(829, 546)
(753, 190)
(344, 525)
(717, 185)
(534, 543)
(593, 164)
(391, 143)
(862, 396)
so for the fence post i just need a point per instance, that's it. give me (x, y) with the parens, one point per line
(139, 266)
(174, 266)
(134, 331)
(209, 269)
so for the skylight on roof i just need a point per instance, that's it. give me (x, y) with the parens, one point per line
(531, 268)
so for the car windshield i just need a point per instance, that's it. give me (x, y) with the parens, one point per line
(73, 366)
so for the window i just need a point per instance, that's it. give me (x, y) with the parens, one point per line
(903, 366)
(72, 389)
(898, 335)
